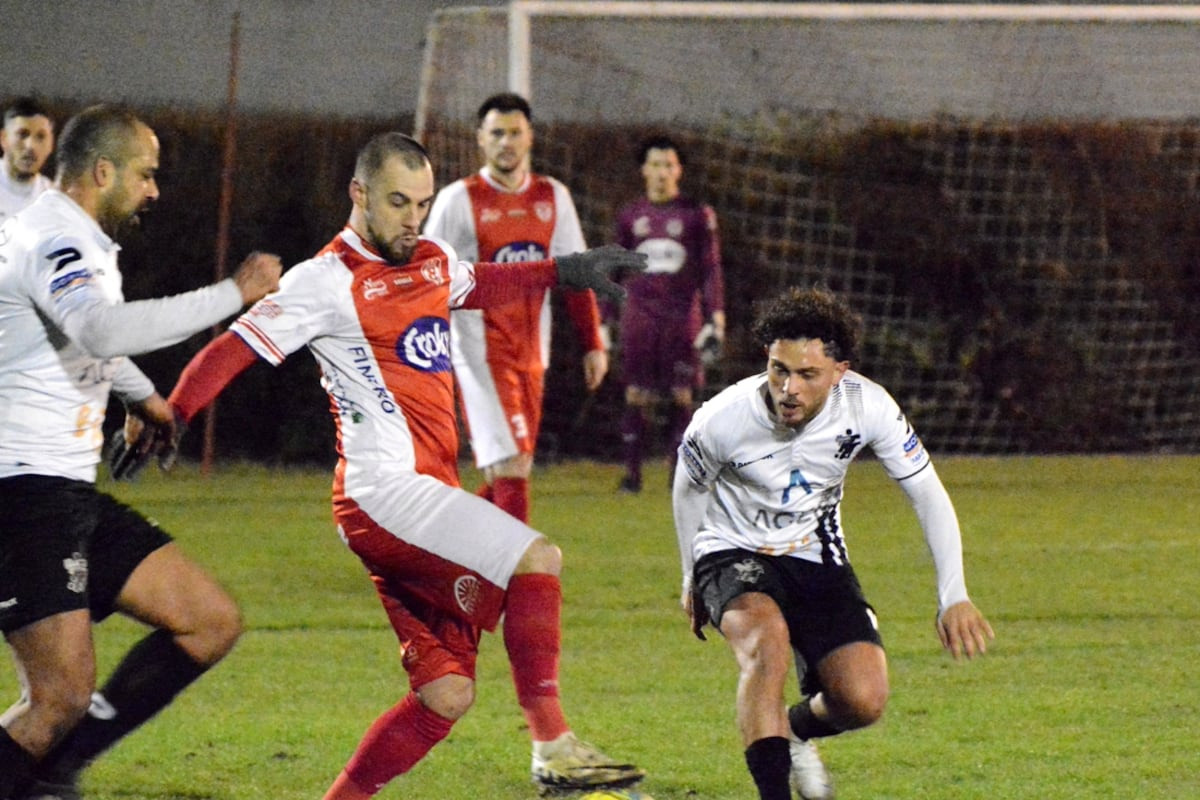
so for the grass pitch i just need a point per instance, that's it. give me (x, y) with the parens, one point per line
(1086, 567)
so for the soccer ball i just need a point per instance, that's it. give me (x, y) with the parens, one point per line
(615, 794)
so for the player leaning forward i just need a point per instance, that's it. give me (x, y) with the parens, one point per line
(373, 307)
(68, 553)
(758, 516)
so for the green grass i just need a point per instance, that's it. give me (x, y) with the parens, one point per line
(1086, 567)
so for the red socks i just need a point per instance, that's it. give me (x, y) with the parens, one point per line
(512, 495)
(533, 638)
(391, 746)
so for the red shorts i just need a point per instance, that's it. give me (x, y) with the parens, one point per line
(430, 549)
(503, 412)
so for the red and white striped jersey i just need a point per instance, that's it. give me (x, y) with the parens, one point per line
(483, 221)
(381, 335)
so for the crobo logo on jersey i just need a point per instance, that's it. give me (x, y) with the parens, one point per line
(425, 346)
(520, 251)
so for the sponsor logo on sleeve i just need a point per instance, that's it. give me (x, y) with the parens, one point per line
(63, 285)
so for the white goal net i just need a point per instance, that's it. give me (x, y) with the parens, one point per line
(1007, 192)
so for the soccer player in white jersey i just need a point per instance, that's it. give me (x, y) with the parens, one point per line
(757, 505)
(27, 140)
(374, 308)
(70, 555)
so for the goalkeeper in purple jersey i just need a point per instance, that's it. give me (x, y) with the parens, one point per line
(675, 310)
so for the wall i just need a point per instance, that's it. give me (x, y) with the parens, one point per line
(351, 58)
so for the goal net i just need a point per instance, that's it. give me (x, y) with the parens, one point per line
(1007, 193)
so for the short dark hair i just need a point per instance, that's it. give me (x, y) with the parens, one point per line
(26, 106)
(505, 102)
(100, 131)
(381, 146)
(814, 313)
(659, 142)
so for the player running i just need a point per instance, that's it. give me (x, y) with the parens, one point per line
(758, 516)
(70, 555)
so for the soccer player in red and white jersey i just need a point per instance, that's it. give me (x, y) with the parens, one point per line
(507, 213)
(374, 309)
(675, 309)
(757, 502)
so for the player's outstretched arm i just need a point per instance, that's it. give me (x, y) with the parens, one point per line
(963, 630)
(600, 269)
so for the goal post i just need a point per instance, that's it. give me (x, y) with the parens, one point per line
(1009, 193)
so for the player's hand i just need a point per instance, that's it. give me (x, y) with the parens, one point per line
(963, 630)
(258, 276)
(696, 611)
(152, 430)
(600, 269)
(595, 367)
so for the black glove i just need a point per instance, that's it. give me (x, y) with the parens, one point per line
(599, 269)
(127, 459)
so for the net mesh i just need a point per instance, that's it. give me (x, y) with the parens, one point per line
(1011, 204)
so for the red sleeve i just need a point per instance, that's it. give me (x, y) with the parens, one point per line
(498, 283)
(209, 372)
(585, 316)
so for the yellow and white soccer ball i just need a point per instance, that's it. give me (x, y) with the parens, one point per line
(615, 794)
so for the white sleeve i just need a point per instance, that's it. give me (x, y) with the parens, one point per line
(450, 219)
(689, 501)
(939, 523)
(106, 330)
(568, 233)
(130, 384)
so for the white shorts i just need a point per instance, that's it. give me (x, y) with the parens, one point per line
(446, 521)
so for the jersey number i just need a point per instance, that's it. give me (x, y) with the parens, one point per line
(63, 257)
(796, 479)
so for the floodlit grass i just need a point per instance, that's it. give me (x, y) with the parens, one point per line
(1085, 565)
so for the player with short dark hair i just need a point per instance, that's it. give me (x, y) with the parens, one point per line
(506, 212)
(373, 307)
(674, 311)
(27, 140)
(758, 516)
(70, 555)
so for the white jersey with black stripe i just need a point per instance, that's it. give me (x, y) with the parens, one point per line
(776, 490)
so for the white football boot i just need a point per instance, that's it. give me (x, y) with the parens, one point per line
(808, 778)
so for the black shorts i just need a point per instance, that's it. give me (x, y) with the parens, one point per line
(64, 546)
(823, 605)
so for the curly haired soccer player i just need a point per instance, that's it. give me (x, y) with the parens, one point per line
(757, 504)
(373, 307)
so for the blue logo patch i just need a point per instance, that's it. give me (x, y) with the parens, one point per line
(520, 251)
(72, 280)
(425, 346)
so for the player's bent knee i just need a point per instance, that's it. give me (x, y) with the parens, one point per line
(859, 707)
(450, 696)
